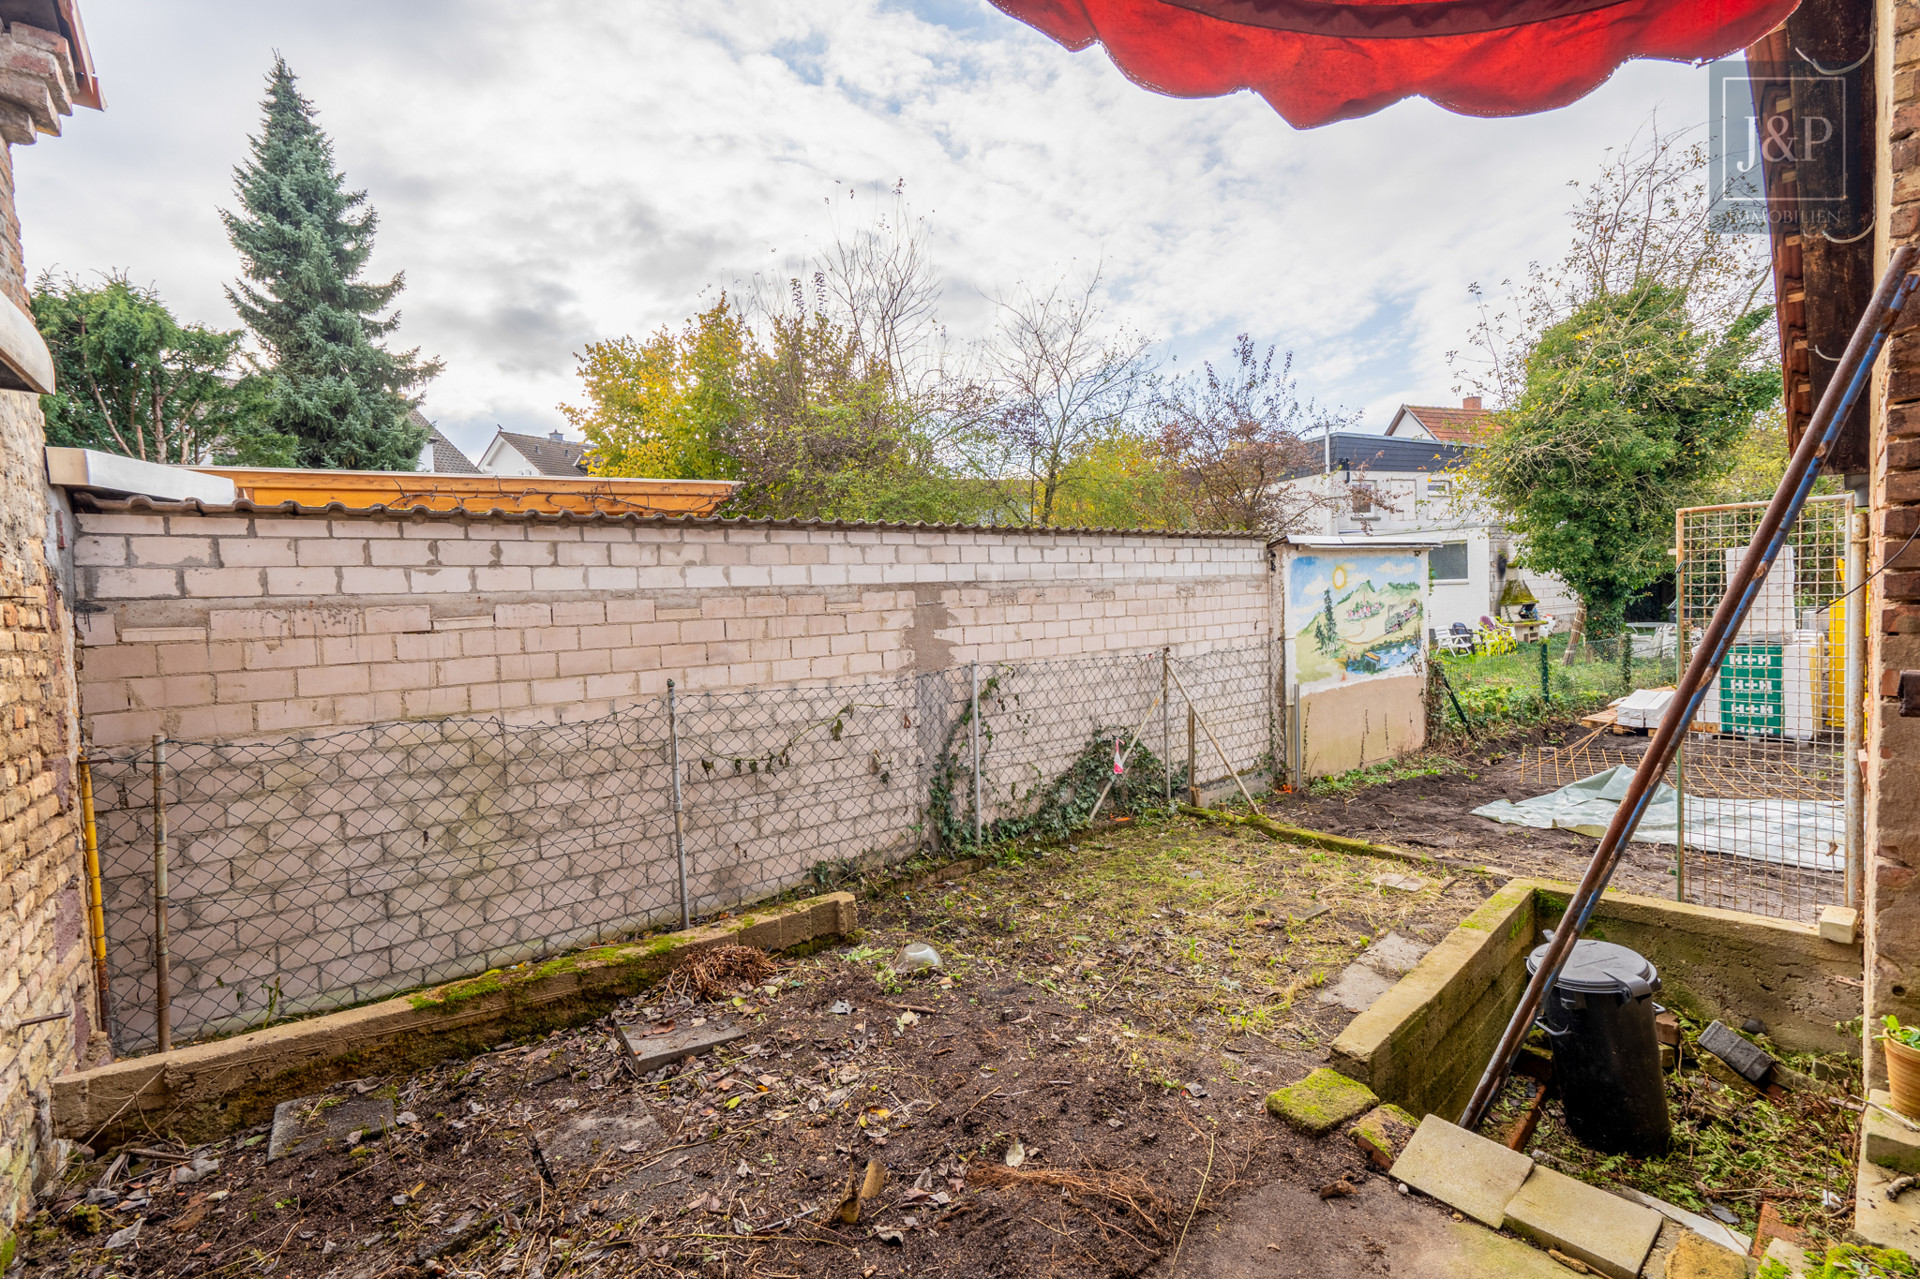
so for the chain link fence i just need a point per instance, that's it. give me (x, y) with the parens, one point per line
(317, 872)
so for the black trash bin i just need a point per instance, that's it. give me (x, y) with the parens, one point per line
(1599, 1018)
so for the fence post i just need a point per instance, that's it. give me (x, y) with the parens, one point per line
(96, 896)
(1166, 728)
(1546, 685)
(974, 724)
(679, 821)
(161, 995)
(1680, 821)
(1193, 778)
(1855, 622)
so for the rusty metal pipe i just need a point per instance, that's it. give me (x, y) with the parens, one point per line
(1849, 379)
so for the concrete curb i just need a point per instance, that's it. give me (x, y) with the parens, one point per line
(202, 1090)
(1334, 843)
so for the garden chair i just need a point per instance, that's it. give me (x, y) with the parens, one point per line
(1495, 637)
(1458, 639)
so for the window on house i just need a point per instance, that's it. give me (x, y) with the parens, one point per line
(1439, 488)
(1362, 496)
(1447, 562)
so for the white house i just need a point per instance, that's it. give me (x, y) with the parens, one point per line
(513, 454)
(1401, 485)
(440, 455)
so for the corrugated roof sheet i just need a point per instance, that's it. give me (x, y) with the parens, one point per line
(144, 506)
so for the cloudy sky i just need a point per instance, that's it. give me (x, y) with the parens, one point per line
(549, 172)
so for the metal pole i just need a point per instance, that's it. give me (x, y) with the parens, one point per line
(974, 725)
(1850, 377)
(1680, 822)
(1855, 622)
(162, 996)
(1166, 727)
(96, 896)
(1193, 758)
(1132, 741)
(1217, 749)
(679, 817)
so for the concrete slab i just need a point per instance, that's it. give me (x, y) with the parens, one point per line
(1462, 1170)
(1789, 1255)
(1383, 1133)
(1882, 1222)
(1694, 1257)
(1585, 1222)
(1885, 1140)
(309, 1123)
(1839, 924)
(1357, 988)
(1706, 1227)
(1321, 1102)
(650, 1052)
(583, 1141)
(1400, 883)
(1394, 955)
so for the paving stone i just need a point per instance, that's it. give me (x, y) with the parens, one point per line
(1394, 955)
(1462, 1170)
(1888, 1142)
(1322, 1101)
(1882, 1222)
(584, 1140)
(1792, 1256)
(1400, 883)
(309, 1123)
(650, 1052)
(1695, 1257)
(1583, 1221)
(1383, 1133)
(1356, 988)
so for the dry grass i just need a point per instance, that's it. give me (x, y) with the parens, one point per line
(717, 972)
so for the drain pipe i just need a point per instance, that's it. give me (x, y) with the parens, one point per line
(1849, 379)
(96, 897)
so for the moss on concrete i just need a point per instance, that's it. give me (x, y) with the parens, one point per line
(1321, 1102)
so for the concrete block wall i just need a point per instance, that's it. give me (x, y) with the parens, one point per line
(230, 626)
(368, 792)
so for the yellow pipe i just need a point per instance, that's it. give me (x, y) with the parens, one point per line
(96, 904)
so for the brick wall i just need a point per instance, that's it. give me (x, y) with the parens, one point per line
(229, 626)
(1892, 764)
(44, 964)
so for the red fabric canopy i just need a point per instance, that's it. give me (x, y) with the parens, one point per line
(1317, 61)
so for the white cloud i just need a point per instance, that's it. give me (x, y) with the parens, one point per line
(555, 171)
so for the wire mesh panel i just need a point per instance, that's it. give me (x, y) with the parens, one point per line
(310, 873)
(1764, 779)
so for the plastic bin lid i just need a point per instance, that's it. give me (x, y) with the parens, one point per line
(1601, 968)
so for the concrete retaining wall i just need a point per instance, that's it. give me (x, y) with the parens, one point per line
(202, 1090)
(1425, 1042)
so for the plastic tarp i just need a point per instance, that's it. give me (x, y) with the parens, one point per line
(1317, 61)
(1807, 833)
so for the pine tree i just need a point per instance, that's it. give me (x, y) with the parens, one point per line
(303, 241)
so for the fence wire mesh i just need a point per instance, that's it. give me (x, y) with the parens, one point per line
(1764, 779)
(317, 872)
(1759, 791)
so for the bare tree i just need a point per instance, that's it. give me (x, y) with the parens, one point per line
(1645, 217)
(1061, 382)
(1237, 433)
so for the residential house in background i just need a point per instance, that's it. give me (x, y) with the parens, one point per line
(553, 454)
(439, 454)
(1403, 485)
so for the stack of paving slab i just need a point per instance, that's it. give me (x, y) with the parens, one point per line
(1505, 1189)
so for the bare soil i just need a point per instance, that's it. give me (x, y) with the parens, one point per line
(1109, 1018)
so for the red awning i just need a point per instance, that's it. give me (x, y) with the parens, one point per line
(1317, 61)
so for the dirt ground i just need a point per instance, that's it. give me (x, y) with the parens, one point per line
(1432, 812)
(1077, 1092)
(1109, 1019)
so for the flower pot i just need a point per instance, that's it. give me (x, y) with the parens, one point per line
(1903, 1077)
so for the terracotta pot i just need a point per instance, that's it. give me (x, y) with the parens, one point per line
(1903, 1077)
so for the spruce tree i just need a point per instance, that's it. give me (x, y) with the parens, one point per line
(303, 240)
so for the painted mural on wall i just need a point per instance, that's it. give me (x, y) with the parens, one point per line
(1354, 616)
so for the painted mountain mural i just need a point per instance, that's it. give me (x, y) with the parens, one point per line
(1366, 619)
